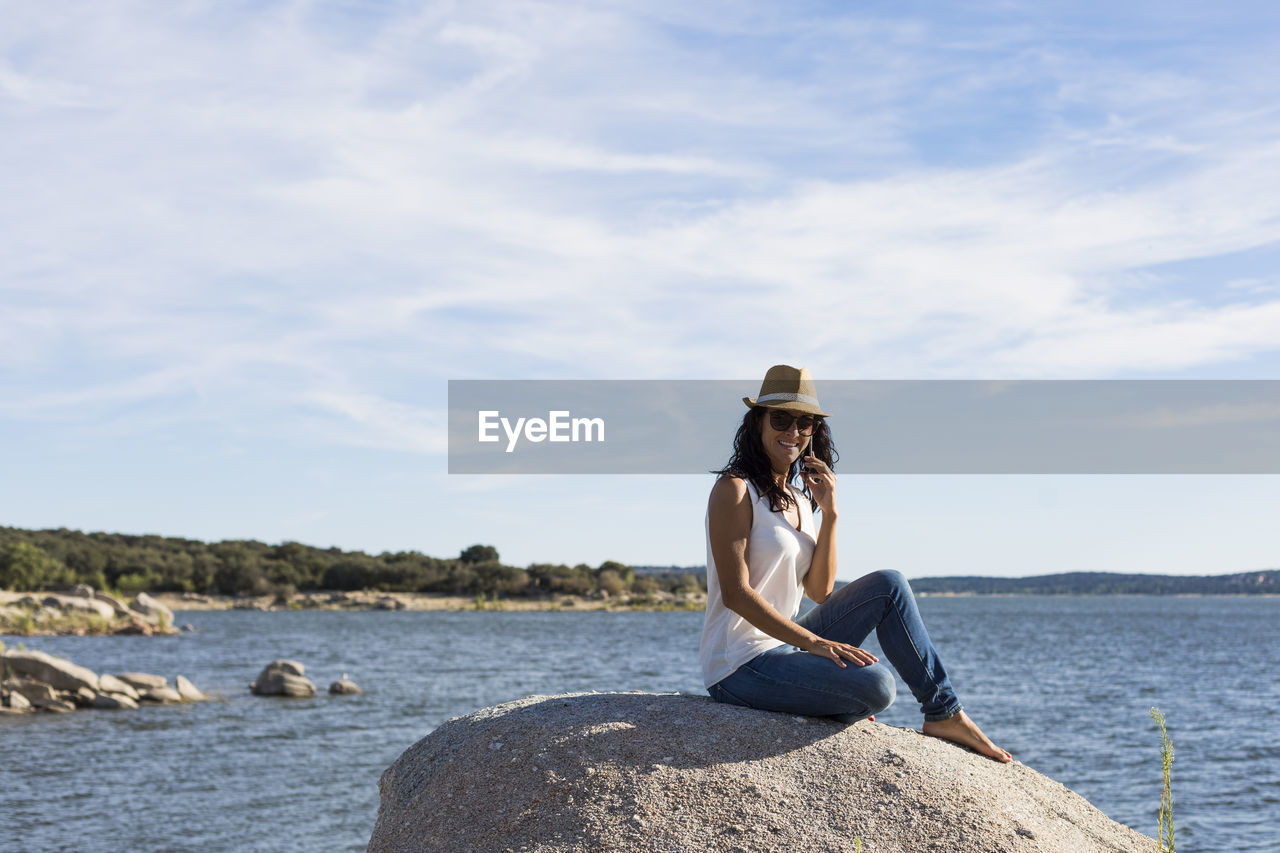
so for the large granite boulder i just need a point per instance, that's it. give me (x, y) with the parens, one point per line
(151, 610)
(79, 604)
(111, 601)
(283, 678)
(646, 772)
(59, 673)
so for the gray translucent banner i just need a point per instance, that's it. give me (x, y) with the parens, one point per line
(879, 427)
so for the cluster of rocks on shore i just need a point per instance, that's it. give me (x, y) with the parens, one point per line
(35, 681)
(314, 601)
(31, 681)
(66, 614)
(372, 600)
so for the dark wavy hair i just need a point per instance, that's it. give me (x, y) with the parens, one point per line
(750, 462)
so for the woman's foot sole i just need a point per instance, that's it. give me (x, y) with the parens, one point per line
(964, 731)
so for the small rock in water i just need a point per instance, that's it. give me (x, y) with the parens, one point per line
(344, 687)
(283, 678)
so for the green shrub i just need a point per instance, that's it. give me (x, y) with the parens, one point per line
(24, 566)
(133, 583)
(611, 582)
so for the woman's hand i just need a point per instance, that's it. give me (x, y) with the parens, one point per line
(821, 481)
(841, 652)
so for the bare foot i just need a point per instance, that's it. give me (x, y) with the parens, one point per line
(964, 731)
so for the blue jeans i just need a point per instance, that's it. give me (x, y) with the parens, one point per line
(795, 682)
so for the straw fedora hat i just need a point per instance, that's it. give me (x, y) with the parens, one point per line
(787, 387)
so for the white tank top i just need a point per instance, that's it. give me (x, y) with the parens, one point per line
(778, 558)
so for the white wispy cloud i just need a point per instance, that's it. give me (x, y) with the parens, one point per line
(239, 202)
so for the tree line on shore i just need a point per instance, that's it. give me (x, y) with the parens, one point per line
(37, 559)
(1265, 582)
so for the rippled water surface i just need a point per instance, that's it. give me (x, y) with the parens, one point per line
(1063, 683)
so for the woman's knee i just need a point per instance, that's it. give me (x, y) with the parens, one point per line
(868, 689)
(881, 688)
(890, 579)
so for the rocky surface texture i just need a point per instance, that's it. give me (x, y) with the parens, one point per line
(31, 681)
(646, 772)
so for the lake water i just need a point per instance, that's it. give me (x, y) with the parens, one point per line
(1065, 684)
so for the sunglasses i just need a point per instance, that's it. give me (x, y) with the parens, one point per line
(781, 421)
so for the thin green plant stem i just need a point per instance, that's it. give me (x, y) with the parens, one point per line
(1164, 830)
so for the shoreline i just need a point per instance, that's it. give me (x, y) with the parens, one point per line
(397, 601)
(424, 601)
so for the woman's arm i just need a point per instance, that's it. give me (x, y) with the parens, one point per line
(821, 578)
(729, 516)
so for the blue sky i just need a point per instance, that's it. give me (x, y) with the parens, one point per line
(244, 246)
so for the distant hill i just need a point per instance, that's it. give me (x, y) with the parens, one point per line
(1105, 583)
(1072, 583)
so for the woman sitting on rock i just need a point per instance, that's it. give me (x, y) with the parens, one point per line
(764, 554)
